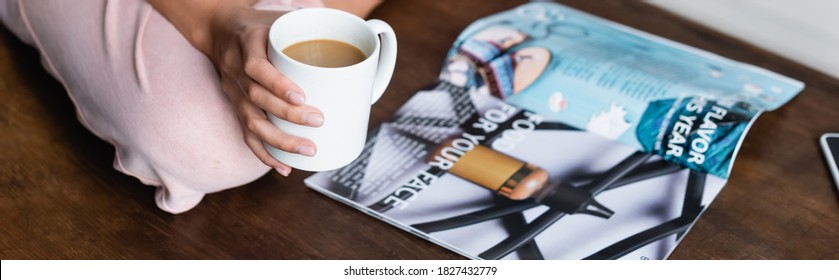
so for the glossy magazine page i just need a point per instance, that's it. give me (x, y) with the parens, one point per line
(534, 146)
(617, 82)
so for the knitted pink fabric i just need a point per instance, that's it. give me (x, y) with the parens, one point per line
(137, 83)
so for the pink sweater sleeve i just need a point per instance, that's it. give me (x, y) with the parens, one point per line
(138, 84)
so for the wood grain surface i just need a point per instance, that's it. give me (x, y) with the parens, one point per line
(61, 199)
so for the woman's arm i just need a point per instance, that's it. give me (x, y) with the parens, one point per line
(194, 18)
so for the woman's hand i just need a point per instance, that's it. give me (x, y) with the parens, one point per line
(235, 37)
(238, 49)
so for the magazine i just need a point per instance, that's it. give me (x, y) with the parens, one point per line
(554, 134)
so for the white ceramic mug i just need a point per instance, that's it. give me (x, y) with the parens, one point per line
(343, 94)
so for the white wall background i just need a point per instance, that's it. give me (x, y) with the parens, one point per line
(806, 31)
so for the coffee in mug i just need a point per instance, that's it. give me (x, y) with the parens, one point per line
(325, 53)
(353, 64)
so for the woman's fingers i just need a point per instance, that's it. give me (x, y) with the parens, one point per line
(269, 89)
(257, 67)
(256, 130)
(256, 88)
(236, 97)
(262, 97)
(262, 154)
(256, 122)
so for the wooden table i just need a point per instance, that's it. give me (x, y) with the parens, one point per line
(60, 198)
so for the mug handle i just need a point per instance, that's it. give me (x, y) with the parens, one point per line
(387, 57)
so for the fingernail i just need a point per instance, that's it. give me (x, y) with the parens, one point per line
(282, 171)
(306, 150)
(295, 98)
(313, 119)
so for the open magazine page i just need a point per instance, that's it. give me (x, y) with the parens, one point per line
(512, 155)
(617, 82)
(441, 176)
